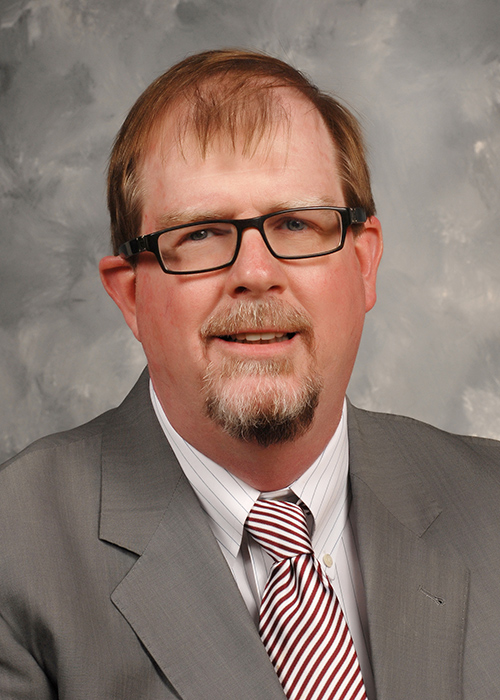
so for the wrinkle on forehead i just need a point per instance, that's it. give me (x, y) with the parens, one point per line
(246, 125)
(226, 121)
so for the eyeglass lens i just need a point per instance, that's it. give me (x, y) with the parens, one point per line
(296, 234)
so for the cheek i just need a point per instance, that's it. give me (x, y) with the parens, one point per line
(337, 303)
(170, 313)
(156, 318)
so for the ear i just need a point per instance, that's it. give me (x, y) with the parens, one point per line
(118, 278)
(368, 246)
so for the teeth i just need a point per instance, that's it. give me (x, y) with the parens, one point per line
(258, 337)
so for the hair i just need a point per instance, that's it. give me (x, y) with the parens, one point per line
(225, 94)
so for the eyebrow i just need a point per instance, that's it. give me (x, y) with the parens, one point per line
(193, 214)
(187, 216)
(306, 202)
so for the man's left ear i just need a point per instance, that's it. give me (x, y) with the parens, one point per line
(118, 278)
(369, 246)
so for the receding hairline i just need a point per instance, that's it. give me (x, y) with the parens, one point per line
(238, 128)
(178, 125)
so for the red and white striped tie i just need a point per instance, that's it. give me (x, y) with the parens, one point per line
(301, 623)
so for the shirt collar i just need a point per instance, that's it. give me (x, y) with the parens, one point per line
(227, 500)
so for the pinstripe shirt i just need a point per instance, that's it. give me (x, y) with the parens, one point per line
(323, 489)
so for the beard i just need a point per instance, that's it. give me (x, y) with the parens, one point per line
(261, 400)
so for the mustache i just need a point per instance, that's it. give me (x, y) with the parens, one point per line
(258, 315)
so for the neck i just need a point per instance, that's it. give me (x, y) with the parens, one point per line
(264, 468)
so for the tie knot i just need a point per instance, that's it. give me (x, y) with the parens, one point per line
(280, 528)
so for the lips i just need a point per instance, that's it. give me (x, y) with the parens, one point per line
(258, 322)
(258, 337)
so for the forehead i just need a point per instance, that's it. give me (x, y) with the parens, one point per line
(272, 117)
(294, 161)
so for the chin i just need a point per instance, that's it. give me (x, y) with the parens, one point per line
(265, 407)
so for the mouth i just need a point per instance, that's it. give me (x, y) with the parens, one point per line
(258, 337)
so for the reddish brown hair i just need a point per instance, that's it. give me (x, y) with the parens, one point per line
(225, 93)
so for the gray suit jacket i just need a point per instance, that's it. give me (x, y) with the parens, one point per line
(113, 587)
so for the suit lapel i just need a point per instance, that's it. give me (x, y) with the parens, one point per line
(416, 588)
(180, 596)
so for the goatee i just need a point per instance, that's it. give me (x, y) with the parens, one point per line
(279, 406)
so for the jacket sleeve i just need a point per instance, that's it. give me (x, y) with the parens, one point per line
(21, 677)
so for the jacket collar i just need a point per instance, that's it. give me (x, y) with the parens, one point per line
(378, 459)
(136, 483)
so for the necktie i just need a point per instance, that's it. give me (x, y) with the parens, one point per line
(301, 623)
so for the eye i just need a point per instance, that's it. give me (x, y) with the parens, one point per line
(197, 235)
(295, 225)
(200, 235)
(208, 233)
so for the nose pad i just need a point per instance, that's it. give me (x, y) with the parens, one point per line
(255, 268)
(253, 236)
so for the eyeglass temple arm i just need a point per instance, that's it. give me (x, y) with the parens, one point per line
(357, 215)
(136, 245)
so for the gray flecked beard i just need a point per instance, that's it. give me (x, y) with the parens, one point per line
(280, 407)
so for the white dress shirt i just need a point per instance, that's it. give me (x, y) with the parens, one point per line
(323, 488)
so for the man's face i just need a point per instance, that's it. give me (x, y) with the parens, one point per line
(265, 335)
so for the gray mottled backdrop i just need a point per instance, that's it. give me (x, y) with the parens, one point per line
(425, 77)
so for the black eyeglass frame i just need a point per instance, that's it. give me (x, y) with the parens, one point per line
(149, 242)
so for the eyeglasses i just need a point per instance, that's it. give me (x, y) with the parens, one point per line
(205, 246)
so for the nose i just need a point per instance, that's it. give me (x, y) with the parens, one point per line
(255, 270)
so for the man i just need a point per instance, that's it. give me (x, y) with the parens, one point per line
(246, 252)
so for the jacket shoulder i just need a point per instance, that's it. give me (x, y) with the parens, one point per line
(47, 447)
(83, 436)
(412, 467)
(420, 438)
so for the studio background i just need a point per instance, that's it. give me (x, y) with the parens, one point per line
(424, 76)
